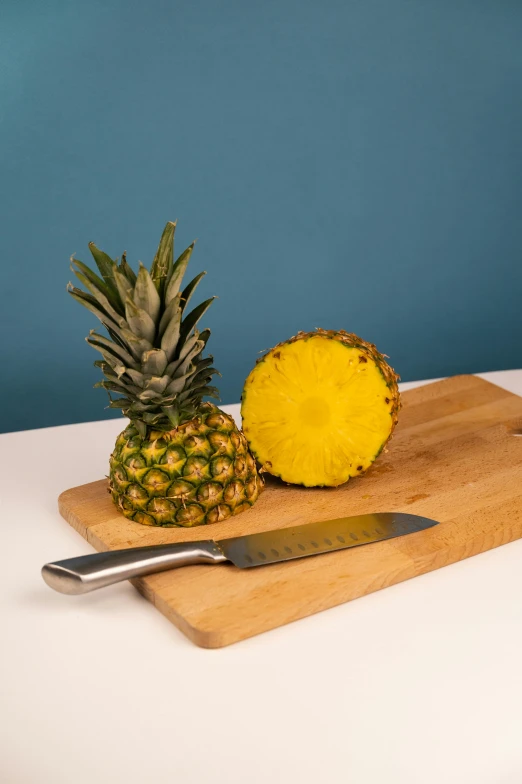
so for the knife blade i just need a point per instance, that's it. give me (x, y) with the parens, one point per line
(90, 572)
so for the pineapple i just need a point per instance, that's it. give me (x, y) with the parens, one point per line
(180, 461)
(319, 408)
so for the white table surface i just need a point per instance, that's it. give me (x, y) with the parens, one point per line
(417, 684)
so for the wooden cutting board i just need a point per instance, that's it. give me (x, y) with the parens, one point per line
(456, 457)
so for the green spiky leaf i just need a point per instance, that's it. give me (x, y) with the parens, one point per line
(136, 377)
(178, 270)
(105, 264)
(152, 357)
(98, 283)
(101, 298)
(124, 286)
(169, 314)
(127, 270)
(188, 323)
(146, 296)
(170, 337)
(92, 304)
(154, 362)
(189, 290)
(163, 260)
(139, 321)
(102, 344)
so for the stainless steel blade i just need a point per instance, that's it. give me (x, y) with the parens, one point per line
(300, 541)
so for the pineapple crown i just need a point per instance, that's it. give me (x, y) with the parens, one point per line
(153, 360)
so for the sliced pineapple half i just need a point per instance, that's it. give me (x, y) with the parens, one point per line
(320, 407)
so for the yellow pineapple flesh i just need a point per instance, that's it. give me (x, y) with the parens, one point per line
(319, 408)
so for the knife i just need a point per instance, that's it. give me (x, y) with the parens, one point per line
(89, 572)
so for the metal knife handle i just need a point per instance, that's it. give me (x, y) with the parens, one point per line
(89, 572)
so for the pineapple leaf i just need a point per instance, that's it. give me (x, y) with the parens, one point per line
(136, 410)
(126, 338)
(204, 363)
(136, 345)
(188, 323)
(178, 270)
(120, 402)
(107, 370)
(141, 427)
(155, 386)
(113, 363)
(139, 321)
(145, 295)
(212, 392)
(169, 340)
(127, 270)
(116, 338)
(123, 285)
(177, 385)
(169, 313)
(105, 264)
(157, 383)
(149, 396)
(172, 413)
(102, 344)
(190, 350)
(137, 377)
(186, 365)
(125, 388)
(97, 282)
(92, 304)
(168, 400)
(102, 299)
(154, 362)
(162, 264)
(113, 386)
(198, 392)
(204, 336)
(151, 419)
(204, 374)
(189, 290)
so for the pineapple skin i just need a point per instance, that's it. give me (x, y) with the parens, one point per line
(198, 473)
(366, 353)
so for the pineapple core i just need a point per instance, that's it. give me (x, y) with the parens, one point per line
(318, 409)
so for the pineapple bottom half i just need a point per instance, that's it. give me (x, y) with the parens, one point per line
(320, 408)
(200, 472)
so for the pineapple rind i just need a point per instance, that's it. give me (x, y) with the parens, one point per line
(199, 473)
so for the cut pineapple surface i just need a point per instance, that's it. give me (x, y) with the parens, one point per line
(319, 408)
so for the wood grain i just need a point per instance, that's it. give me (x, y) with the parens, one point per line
(454, 458)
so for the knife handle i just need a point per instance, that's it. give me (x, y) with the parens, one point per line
(89, 572)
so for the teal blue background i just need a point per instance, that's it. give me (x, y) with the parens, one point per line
(344, 164)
